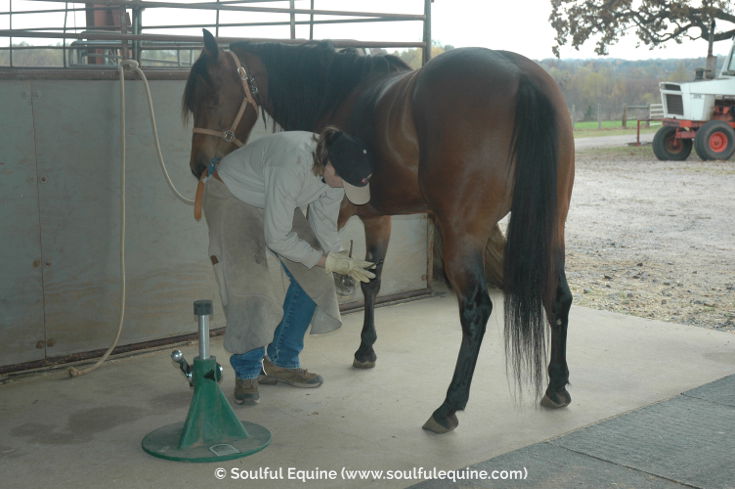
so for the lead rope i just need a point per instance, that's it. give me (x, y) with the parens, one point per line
(73, 371)
(133, 65)
(130, 65)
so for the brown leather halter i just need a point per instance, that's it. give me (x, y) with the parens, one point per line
(228, 134)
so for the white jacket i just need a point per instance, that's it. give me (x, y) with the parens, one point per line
(275, 173)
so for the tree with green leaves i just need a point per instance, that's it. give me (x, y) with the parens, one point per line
(655, 22)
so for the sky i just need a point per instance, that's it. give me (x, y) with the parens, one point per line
(514, 25)
(523, 26)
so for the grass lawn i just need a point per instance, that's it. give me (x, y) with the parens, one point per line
(615, 152)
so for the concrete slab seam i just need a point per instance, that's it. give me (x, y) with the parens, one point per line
(618, 464)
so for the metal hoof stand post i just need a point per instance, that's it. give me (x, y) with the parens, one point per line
(211, 431)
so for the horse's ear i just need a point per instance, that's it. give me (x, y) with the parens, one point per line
(210, 44)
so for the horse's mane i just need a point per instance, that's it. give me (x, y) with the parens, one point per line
(309, 81)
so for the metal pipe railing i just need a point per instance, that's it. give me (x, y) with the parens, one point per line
(239, 8)
(123, 40)
(103, 36)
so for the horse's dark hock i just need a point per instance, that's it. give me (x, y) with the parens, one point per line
(473, 135)
(556, 395)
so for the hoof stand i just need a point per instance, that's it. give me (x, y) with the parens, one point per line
(446, 426)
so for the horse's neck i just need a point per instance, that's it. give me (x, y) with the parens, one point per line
(361, 97)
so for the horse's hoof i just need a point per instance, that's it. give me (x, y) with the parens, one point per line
(363, 364)
(439, 427)
(557, 400)
(364, 358)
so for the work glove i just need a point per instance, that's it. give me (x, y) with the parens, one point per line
(338, 262)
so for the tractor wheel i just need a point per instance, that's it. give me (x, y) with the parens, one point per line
(715, 140)
(667, 147)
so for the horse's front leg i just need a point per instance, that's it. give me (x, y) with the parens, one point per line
(377, 235)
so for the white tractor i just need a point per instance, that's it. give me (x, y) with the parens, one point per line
(701, 113)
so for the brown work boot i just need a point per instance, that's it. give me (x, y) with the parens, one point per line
(297, 377)
(246, 391)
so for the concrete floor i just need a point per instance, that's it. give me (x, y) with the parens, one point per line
(86, 432)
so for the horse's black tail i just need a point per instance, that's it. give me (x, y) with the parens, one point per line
(529, 270)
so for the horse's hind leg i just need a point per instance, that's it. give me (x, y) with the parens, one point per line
(556, 394)
(377, 235)
(463, 265)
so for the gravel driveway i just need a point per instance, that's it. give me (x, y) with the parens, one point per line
(651, 238)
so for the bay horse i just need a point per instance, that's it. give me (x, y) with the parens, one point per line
(473, 135)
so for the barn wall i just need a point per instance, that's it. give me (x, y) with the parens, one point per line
(60, 221)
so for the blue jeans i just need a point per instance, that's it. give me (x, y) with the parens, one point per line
(288, 339)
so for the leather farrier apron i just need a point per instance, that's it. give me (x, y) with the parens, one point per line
(251, 281)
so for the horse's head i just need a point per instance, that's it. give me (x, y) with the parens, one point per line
(219, 95)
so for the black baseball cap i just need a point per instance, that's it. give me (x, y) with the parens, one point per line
(351, 161)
